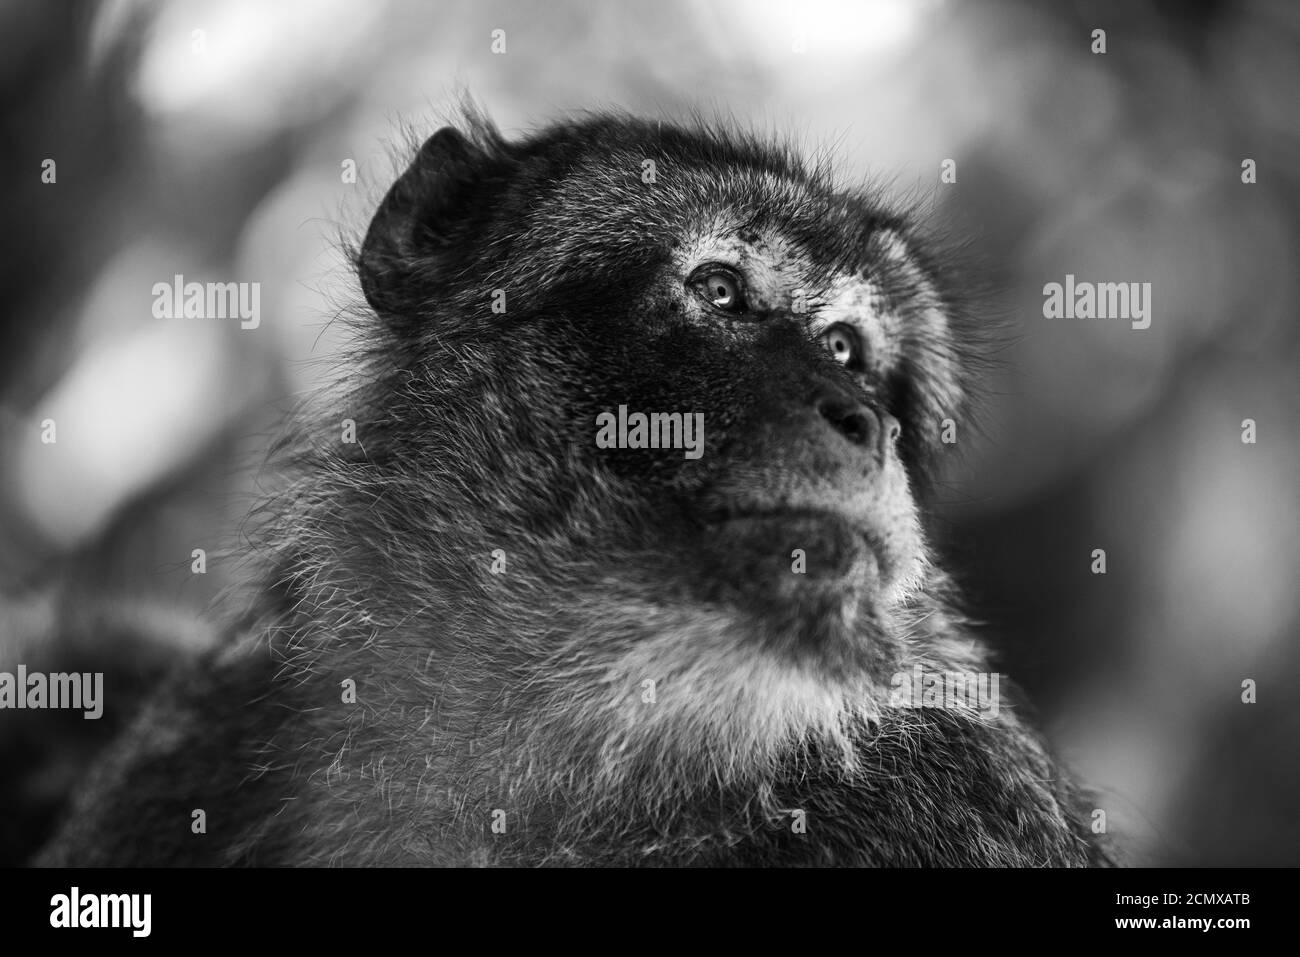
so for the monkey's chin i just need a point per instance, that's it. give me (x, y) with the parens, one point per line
(809, 582)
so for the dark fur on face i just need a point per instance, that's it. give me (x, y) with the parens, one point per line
(647, 680)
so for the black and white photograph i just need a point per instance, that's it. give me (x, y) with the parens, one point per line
(689, 434)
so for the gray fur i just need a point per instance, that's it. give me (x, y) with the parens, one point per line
(523, 692)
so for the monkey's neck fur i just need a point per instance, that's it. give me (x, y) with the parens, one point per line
(567, 710)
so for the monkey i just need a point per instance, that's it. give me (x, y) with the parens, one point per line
(478, 636)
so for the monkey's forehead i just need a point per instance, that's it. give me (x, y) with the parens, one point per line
(674, 181)
(785, 218)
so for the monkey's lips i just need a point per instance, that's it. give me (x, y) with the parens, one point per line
(794, 545)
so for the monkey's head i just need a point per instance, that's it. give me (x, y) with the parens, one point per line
(648, 414)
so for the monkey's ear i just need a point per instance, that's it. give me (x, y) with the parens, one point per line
(421, 215)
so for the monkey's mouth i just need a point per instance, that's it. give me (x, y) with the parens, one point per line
(820, 544)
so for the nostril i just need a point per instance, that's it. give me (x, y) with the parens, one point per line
(856, 423)
(892, 426)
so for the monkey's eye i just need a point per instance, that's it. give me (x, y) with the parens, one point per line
(842, 343)
(722, 288)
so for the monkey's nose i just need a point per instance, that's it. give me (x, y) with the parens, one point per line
(860, 424)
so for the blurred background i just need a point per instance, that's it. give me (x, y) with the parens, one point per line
(213, 139)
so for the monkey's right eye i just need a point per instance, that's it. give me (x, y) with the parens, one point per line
(721, 287)
(842, 343)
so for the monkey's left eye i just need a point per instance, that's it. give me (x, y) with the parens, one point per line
(842, 343)
(722, 288)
